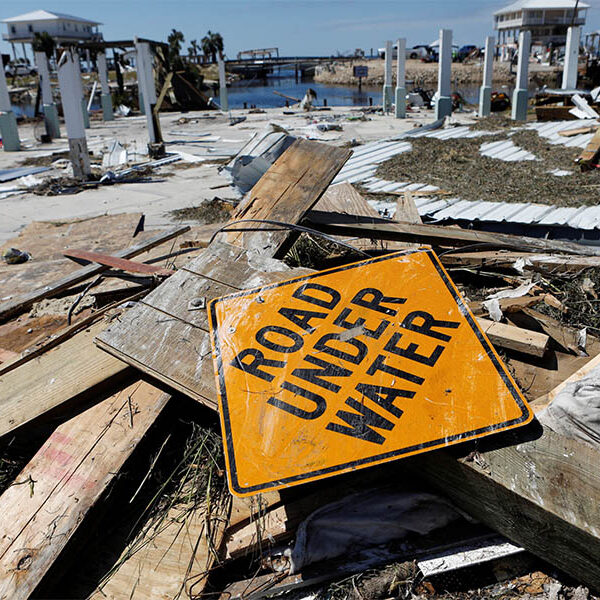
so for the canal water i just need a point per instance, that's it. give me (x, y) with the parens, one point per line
(260, 93)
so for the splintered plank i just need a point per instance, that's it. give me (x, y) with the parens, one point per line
(53, 378)
(62, 482)
(542, 494)
(285, 193)
(343, 198)
(167, 334)
(25, 301)
(337, 224)
(173, 558)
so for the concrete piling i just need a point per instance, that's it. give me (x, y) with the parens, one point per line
(401, 79)
(147, 89)
(569, 80)
(485, 92)
(50, 111)
(443, 105)
(79, 83)
(223, 99)
(387, 81)
(69, 80)
(8, 120)
(105, 97)
(521, 95)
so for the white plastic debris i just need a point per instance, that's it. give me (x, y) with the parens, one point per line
(582, 109)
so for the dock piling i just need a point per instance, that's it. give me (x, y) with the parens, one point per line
(521, 95)
(443, 105)
(401, 79)
(387, 81)
(485, 92)
(69, 80)
(8, 120)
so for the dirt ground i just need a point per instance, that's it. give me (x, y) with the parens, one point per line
(426, 73)
(457, 167)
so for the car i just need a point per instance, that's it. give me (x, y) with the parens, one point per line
(420, 51)
(16, 70)
(464, 51)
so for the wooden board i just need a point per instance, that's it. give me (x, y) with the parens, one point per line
(590, 153)
(164, 338)
(506, 259)
(515, 338)
(173, 558)
(25, 301)
(343, 198)
(51, 379)
(54, 492)
(286, 192)
(336, 224)
(542, 494)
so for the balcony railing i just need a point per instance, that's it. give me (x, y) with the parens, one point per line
(552, 21)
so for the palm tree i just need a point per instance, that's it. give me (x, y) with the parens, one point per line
(175, 40)
(43, 42)
(211, 44)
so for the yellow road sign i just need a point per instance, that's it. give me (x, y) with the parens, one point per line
(352, 367)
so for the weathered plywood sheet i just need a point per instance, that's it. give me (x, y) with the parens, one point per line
(168, 338)
(286, 192)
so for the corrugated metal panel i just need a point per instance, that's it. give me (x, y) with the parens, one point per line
(364, 162)
(505, 150)
(551, 129)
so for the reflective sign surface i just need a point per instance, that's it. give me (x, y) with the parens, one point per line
(352, 367)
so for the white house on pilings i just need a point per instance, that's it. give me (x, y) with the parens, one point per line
(63, 28)
(547, 20)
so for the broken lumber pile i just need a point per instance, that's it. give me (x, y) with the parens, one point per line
(180, 439)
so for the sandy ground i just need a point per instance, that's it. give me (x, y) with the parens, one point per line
(179, 185)
(425, 73)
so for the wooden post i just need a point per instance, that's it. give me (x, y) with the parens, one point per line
(223, 99)
(50, 111)
(485, 93)
(79, 83)
(387, 81)
(520, 95)
(69, 81)
(8, 121)
(147, 89)
(105, 98)
(443, 105)
(401, 79)
(569, 80)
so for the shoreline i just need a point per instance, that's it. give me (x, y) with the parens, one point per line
(421, 73)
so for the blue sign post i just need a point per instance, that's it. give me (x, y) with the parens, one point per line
(360, 71)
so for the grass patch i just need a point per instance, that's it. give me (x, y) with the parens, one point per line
(457, 166)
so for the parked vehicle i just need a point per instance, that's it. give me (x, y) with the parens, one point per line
(15, 70)
(464, 51)
(420, 51)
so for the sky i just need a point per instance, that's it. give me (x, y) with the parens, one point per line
(296, 27)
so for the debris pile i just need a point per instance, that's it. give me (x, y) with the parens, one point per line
(300, 397)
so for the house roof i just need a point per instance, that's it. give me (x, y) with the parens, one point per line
(45, 15)
(541, 4)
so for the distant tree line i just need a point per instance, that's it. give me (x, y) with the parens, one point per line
(211, 45)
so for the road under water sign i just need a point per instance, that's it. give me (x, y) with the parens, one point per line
(352, 367)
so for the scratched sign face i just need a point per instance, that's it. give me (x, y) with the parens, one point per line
(352, 367)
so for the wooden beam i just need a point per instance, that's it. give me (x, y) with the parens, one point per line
(64, 480)
(547, 263)
(285, 193)
(53, 378)
(25, 301)
(515, 338)
(336, 224)
(131, 266)
(579, 131)
(541, 493)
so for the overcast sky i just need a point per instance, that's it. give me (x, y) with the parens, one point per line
(297, 27)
